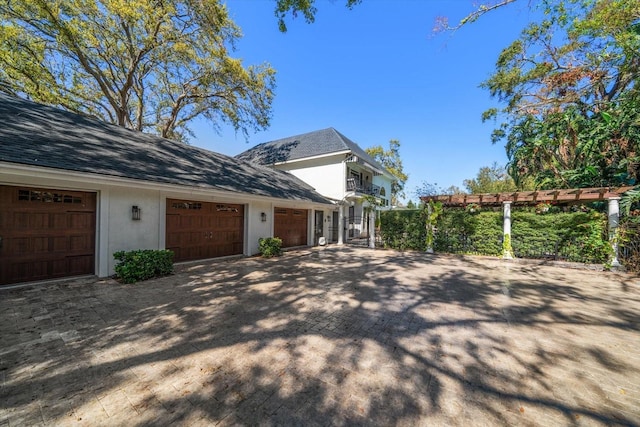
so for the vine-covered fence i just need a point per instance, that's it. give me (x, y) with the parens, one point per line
(629, 243)
(579, 236)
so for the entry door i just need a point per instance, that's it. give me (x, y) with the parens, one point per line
(352, 220)
(335, 225)
(319, 226)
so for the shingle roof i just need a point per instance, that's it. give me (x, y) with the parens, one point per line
(317, 143)
(38, 135)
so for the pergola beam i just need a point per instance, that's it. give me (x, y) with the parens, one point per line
(575, 195)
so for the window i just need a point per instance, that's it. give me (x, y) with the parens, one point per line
(226, 208)
(47, 197)
(187, 205)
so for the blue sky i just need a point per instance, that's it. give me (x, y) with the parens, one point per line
(376, 73)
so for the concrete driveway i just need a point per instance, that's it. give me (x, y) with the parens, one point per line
(329, 336)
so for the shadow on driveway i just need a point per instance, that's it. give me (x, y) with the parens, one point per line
(329, 336)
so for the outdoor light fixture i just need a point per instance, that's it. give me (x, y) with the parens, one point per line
(135, 213)
(263, 217)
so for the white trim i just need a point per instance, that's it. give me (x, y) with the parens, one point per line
(102, 231)
(319, 156)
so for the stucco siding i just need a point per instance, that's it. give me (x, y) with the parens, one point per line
(125, 233)
(256, 228)
(326, 179)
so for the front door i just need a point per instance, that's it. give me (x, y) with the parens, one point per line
(352, 220)
(318, 227)
(335, 225)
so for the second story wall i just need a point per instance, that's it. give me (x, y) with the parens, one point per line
(326, 175)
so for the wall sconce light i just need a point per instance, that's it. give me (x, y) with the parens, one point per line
(263, 217)
(135, 213)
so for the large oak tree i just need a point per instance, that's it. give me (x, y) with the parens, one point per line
(148, 65)
(569, 93)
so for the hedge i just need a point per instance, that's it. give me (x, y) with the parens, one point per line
(403, 229)
(571, 236)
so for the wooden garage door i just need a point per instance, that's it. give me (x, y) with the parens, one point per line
(200, 230)
(46, 234)
(291, 226)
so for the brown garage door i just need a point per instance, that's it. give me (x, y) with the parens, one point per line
(46, 233)
(291, 226)
(200, 230)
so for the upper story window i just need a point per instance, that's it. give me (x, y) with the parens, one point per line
(383, 192)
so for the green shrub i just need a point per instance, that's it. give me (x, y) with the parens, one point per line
(270, 246)
(575, 236)
(134, 266)
(403, 229)
(471, 233)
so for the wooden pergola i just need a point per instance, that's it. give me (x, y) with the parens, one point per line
(529, 198)
(571, 196)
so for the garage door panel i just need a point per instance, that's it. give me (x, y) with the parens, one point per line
(173, 221)
(80, 243)
(59, 267)
(59, 244)
(27, 271)
(19, 221)
(81, 263)
(204, 229)
(60, 221)
(81, 220)
(41, 229)
(39, 245)
(173, 239)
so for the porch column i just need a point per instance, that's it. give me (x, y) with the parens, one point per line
(372, 228)
(507, 251)
(340, 224)
(614, 217)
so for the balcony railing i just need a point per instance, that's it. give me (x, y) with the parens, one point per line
(358, 187)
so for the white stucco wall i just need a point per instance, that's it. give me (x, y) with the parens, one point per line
(255, 227)
(326, 175)
(126, 234)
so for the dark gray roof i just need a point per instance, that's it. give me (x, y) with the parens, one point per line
(317, 143)
(38, 135)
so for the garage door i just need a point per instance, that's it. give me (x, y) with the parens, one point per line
(291, 226)
(200, 230)
(46, 234)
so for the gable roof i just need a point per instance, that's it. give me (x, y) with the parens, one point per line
(312, 144)
(39, 135)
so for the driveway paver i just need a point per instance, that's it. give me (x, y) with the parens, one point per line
(328, 336)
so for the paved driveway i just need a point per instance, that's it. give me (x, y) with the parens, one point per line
(329, 336)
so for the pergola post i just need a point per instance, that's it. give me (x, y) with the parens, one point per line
(340, 224)
(614, 219)
(372, 228)
(507, 251)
